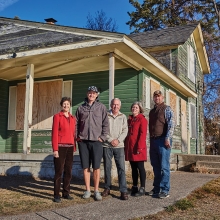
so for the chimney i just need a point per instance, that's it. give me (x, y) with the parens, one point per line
(50, 20)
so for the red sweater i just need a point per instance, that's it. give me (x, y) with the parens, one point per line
(63, 130)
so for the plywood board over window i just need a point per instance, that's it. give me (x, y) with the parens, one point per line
(47, 96)
(50, 94)
(173, 103)
(154, 85)
(20, 107)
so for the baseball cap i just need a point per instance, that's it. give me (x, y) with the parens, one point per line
(93, 88)
(157, 92)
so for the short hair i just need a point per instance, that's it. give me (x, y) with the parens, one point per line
(114, 100)
(140, 106)
(65, 99)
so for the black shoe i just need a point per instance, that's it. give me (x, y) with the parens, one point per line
(141, 192)
(56, 199)
(68, 197)
(152, 193)
(163, 195)
(134, 190)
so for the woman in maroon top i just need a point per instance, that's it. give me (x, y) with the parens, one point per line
(63, 143)
(136, 148)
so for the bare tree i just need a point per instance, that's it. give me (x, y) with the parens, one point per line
(101, 22)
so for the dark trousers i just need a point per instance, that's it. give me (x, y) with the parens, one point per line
(63, 165)
(137, 168)
(119, 156)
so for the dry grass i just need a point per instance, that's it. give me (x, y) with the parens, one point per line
(202, 204)
(26, 194)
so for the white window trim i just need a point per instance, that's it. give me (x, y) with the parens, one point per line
(71, 91)
(190, 54)
(177, 110)
(147, 93)
(190, 124)
(167, 101)
(9, 107)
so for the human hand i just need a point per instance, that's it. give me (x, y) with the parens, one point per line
(100, 140)
(56, 154)
(115, 142)
(167, 143)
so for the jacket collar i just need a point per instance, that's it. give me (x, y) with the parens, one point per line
(62, 114)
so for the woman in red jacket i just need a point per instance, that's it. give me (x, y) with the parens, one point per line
(135, 147)
(63, 143)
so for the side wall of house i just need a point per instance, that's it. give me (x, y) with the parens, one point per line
(165, 88)
(126, 88)
(197, 144)
(3, 113)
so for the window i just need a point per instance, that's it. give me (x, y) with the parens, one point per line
(191, 64)
(46, 99)
(192, 121)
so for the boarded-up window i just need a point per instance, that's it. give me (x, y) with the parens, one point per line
(191, 64)
(192, 121)
(12, 108)
(46, 99)
(154, 85)
(173, 103)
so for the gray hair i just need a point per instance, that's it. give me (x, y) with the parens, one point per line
(140, 106)
(114, 100)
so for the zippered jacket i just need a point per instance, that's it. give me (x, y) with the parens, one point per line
(92, 121)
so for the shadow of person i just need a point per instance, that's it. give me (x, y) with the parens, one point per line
(19, 180)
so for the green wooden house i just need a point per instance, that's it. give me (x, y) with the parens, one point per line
(41, 62)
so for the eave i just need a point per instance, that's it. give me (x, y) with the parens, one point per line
(88, 57)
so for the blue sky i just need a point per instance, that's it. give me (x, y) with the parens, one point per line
(67, 12)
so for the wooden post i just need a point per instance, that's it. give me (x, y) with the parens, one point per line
(28, 108)
(111, 76)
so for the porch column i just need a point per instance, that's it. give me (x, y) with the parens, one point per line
(111, 76)
(28, 109)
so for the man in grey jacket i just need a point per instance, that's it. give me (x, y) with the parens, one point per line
(92, 129)
(114, 147)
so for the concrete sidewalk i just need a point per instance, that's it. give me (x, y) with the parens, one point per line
(182, 184)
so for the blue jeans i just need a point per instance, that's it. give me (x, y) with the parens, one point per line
(119, 157)
(160, 161)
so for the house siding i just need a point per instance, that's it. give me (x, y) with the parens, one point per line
(125, 80)
(176, 145)
(3, 113)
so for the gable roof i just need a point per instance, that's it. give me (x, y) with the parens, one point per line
(169, 36)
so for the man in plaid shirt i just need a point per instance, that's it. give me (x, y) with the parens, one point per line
(161, 128)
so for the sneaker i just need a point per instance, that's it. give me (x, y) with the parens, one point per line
(163, 195)
(97, 196)
(134, 190)
(152, 193)
(56, 199)
(141, 192)
(68, 197)
(86, 195)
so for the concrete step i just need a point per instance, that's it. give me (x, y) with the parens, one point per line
(208, 164)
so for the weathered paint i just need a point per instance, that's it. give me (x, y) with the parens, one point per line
(126, 88)
(3, 113)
